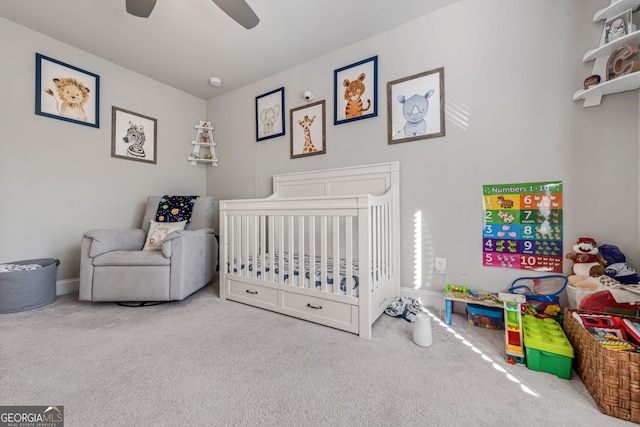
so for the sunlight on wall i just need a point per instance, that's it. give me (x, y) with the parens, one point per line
(422, 251)
(458, 111)
(483, 356)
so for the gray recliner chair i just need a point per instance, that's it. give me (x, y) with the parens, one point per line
(113, 266)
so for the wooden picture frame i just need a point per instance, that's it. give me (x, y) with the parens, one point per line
(308, 131)
(133, 136)
(355, 91)
(415, 107)
(270, 115)
(65, 92)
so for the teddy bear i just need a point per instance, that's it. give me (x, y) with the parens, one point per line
(586, 262)
(616, 265)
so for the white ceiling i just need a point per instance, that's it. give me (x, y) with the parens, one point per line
(185, 42)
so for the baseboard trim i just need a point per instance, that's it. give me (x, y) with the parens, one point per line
(426, 298)
(431, 299)
(67, 286)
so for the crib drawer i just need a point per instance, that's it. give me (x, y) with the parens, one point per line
(252, 294)
(326, 312)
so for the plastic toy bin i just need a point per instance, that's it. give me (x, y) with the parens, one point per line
(547, 347)
(28, 289)
(485, 316)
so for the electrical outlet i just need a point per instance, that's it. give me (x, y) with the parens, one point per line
(440, 265)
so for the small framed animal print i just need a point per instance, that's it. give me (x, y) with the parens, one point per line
(270, 114)
(133, 136)
(308, 130)
(416, 107)
(66, 92)
(356, 91)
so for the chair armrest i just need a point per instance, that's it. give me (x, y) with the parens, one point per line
(186, 236)
(103, 241)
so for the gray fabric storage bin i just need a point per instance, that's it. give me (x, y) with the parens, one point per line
(28, 289)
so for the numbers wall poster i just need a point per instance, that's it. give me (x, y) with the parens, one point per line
(523, 226)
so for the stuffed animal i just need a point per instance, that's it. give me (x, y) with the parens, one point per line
(585, 259)
(616, 265)
(583, 282)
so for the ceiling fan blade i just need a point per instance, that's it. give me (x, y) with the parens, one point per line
(141, 8)
(240, 11)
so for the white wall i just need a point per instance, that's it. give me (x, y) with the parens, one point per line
(58, 179)
(511, 68)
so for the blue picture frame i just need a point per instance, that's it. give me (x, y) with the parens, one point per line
(54, 102)
(270, 115)
(356, 91)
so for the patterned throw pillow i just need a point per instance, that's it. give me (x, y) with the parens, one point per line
(158, 232)
(175, 208)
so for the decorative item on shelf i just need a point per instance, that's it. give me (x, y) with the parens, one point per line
(617, 30)
(204, 140)
(620, 62)
(591, 81)
(618, 26)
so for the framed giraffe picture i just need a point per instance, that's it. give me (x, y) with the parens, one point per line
(356, 91)
(308, 130)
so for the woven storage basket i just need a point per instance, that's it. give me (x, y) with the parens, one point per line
(611, 376)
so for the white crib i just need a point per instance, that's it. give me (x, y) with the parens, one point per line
(323, 247)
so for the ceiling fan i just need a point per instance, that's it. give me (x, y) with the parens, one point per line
(238, 10)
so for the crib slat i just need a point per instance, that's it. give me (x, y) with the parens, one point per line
(375, 230)
(261, 246)
(281, 248)
(254, 238)
(245, 244)
(387, 242)
(348, 256)
(270, 253)
(312, 252)
(290, 248)
(231, 235)
(323, 253)
(335, 236)
(301, 267)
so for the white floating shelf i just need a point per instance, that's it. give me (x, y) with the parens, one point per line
(594, 94)
(607, 49)
(194, 161)
(615, 9)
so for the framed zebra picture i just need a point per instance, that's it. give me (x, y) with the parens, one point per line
(356, 91)
(308, 130)
(133, 136)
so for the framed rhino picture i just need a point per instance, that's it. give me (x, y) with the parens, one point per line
(415, 107)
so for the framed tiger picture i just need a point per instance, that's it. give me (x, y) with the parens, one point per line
(133, 136)
(356, 91)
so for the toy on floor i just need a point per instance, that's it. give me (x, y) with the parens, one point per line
(514, 345)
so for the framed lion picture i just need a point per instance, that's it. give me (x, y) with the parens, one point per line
(66, 92)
